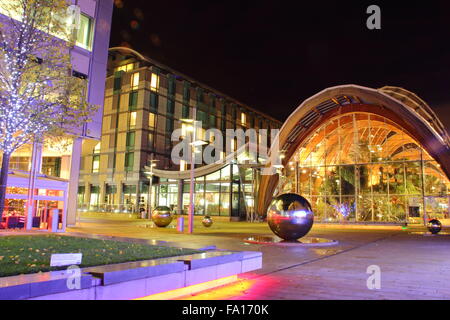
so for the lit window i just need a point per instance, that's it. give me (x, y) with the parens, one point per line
(97, 148)
(133, 119)
(85, 34)
(95, 164)
(243, 118)
(126, 68)
(154, 84)
(151, 120)
(122, 68)
(135, 80)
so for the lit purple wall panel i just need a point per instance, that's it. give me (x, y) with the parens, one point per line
(99, 60)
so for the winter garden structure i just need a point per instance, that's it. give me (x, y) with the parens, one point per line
(364, 155)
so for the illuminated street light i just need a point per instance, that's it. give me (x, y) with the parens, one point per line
(149, 194)
(193, 128)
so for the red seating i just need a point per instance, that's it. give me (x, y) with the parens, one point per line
(13, 222)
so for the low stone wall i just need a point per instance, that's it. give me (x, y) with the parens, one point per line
(131, 280)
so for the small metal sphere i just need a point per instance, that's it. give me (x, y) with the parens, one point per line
(162, 216)
(207, 221)
(434, 226)
(290, 216)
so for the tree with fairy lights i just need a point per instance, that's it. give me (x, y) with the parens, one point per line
(39, 96)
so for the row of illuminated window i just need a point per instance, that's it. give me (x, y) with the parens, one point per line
(154, 86)
(132, 120)
(135, 78)
(152, 117)
(128, 165)
(130, 144)
(51, 166)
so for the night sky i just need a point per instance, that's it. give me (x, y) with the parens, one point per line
(272, 55)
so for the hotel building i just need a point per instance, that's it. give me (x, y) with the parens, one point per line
(144, 103)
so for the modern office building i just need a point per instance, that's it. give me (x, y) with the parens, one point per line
(364, 155)
(57, 159)
(144, 103)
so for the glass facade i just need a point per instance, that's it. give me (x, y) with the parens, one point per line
(364, 167)
(226, 192)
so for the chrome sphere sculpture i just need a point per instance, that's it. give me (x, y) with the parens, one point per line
(290, 216)
(207, 221)
(434, 226)
(162, 216)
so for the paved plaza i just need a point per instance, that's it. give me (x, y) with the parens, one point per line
(413, 266)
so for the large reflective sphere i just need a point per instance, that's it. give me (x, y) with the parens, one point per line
(290, 216)
(434, 226)
(207, 221)
(162, 216)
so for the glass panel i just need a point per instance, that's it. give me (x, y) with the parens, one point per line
(225, 187)
(213, 187)
(397, 208)
(215, 176)
(438, 208)
(235, 169)
(347, 208)
(332, 142)
(212, 203)
(248, 174)
(199, 204)
(186, 186)
(413, 177)
(304, 181)
(154, 83)
(225, 174)
(85, 34)
(132, 122)
(414, 209)
(317, 181)
(435, 181)
(135, 80)
(131, 139)
(348, 139)
(133, 100)
(129, 161)
(364, 208)
(95, 164)
(199, 185)
(224, 204)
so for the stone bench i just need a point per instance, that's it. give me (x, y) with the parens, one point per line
(131, 280)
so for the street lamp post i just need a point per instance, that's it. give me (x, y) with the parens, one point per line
(149, 193)
(193, 144)
(191, 184)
